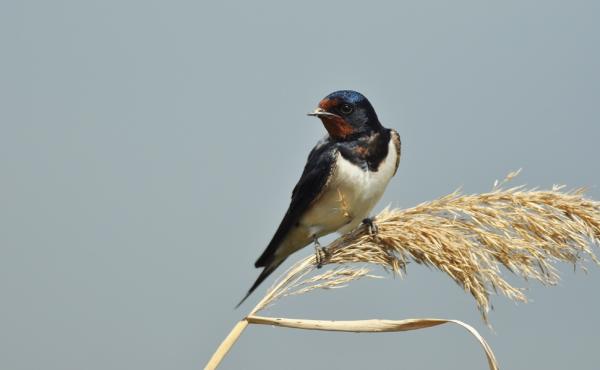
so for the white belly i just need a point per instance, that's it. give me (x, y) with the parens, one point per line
(350, 196)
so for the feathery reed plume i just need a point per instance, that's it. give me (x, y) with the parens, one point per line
(469, 237)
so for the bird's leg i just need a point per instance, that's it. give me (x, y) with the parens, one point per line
(320, 252)
(370, 222)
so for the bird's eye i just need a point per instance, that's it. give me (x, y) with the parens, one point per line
(346, 109)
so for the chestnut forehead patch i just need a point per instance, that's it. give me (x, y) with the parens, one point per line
(327, 103)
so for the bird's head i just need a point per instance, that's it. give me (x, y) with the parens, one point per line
(346, 114)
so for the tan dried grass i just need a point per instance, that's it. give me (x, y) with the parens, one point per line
(469, 237)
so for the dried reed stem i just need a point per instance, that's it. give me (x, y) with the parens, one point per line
(469, 237)
(354, 326)
(226, 345)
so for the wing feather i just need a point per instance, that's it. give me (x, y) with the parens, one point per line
(317, 171)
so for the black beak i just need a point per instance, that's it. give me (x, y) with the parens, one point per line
(320, 112)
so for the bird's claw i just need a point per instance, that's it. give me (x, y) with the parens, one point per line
(371, 225)
(321, 254)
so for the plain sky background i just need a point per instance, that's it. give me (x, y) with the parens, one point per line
(148, 151)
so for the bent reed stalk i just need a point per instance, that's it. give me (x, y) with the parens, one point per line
(468, 237)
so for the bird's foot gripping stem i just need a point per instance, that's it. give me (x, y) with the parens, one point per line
(321, 253)
(371, 225)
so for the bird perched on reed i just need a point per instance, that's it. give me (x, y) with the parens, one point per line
(344, 177)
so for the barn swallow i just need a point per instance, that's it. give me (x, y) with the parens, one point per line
(344, 177)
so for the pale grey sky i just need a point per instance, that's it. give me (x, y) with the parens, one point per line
(148, 150)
